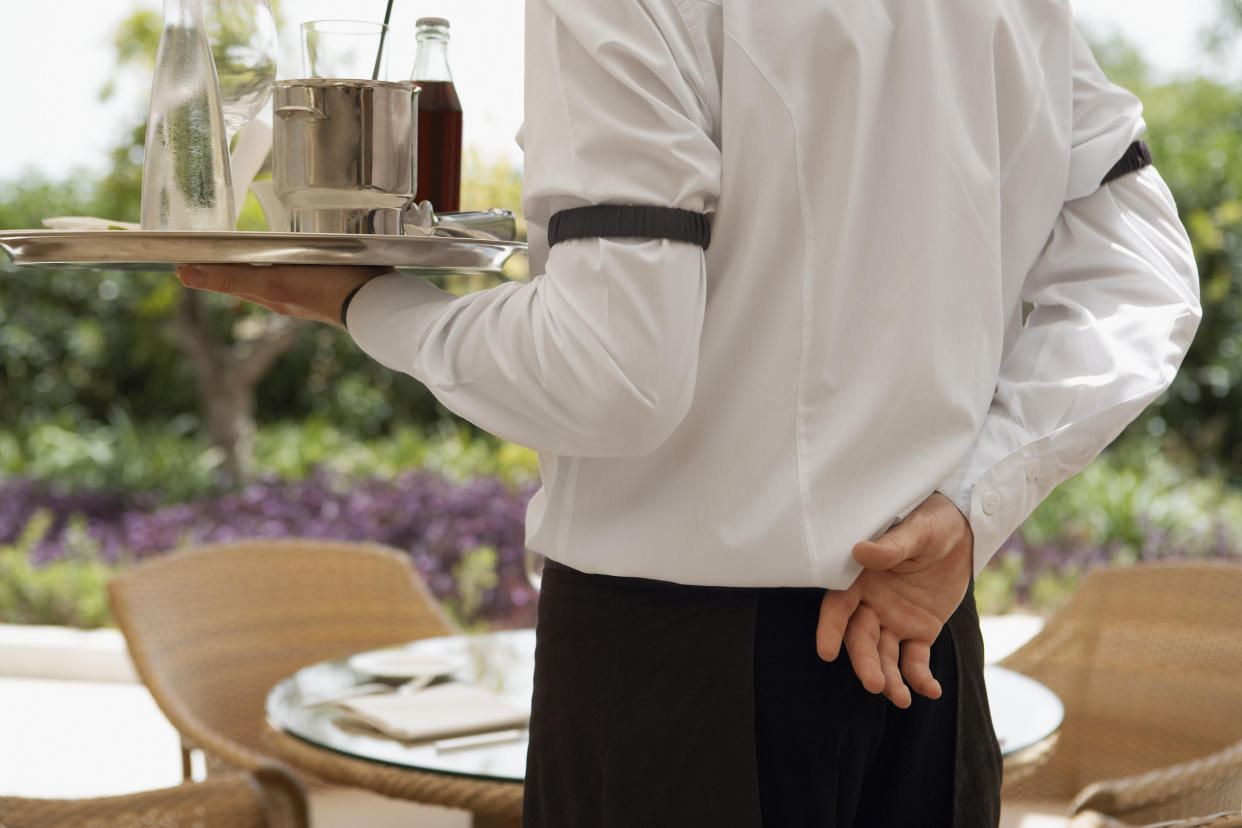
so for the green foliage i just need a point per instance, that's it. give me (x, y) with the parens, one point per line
(70, 592)
(1128, 496)
(495, 183)
(1133, 503)
(137, 39)
(1195, 134)
(292, 450)
(474, 575)
(492, 183)
(74, 343)
(172, 458)
(176, 461)
(994, 593)
(172, 463)
(1222, 37)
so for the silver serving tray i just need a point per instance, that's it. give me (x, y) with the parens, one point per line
(147, 250)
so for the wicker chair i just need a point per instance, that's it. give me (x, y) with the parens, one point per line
(267, 798)
(1210, 785)
(212, 629)
(1146, 659)
(1094, 819)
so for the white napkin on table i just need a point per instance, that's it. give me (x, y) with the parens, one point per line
(436, 712)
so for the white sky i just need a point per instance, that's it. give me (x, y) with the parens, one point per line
(55, 56)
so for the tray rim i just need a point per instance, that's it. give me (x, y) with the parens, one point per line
(47, 247)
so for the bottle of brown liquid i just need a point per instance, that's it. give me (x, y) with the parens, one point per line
(439, 119)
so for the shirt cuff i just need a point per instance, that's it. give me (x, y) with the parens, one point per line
(390, 315)
(999, 499)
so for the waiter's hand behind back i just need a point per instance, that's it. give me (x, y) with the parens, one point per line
(914, 578)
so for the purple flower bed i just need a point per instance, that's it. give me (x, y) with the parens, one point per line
(438, 522)
(1074, 553)
(435, 521)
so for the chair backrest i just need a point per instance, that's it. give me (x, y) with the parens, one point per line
(1145, 659)
(212, 629)
(267, 798)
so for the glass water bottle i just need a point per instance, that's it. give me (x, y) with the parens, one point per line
(439, 119)
(186, 179)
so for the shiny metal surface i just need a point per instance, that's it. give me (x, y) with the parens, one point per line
(343, 153)
(160, 250)
(474, 224)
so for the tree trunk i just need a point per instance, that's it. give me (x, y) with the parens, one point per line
(226, 375)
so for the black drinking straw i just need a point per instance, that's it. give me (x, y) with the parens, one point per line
(383, 34)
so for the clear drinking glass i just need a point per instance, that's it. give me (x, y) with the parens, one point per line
(350, 49)
(243, 42)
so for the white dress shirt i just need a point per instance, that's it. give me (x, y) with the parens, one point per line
(889, 183)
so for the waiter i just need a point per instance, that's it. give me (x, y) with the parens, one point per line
(941, 276)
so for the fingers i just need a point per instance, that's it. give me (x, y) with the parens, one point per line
(259, 282)
(834, 617)
(916, 669)
(862, 642)
(895, 689)
(192, 276)
(882, 662)
(201, 278)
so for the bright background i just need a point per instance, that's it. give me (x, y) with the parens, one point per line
(55, 57)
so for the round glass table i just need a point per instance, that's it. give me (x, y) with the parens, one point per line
(1025, 713)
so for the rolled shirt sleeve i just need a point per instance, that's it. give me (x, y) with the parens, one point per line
(597, 355)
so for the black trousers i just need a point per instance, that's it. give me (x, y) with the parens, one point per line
(658, 704)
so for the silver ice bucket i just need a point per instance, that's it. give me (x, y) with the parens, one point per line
(343, 153)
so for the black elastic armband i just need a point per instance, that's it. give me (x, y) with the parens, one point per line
(1135, 158)
(629, 222)
(345, 304)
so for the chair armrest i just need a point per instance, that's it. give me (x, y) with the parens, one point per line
(266, 798)
(1210, 785)
(1094, 819)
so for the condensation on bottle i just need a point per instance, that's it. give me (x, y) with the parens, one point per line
(186, 179)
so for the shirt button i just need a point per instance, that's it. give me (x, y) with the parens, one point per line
(1032, 471)
(991, 503)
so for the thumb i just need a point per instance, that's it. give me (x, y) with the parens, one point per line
(896, 546)
(882, 554)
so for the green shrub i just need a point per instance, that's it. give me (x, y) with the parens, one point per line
(1136, 500)
(71, 591)
(292, 450)
(175, 460)
(119, 454)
